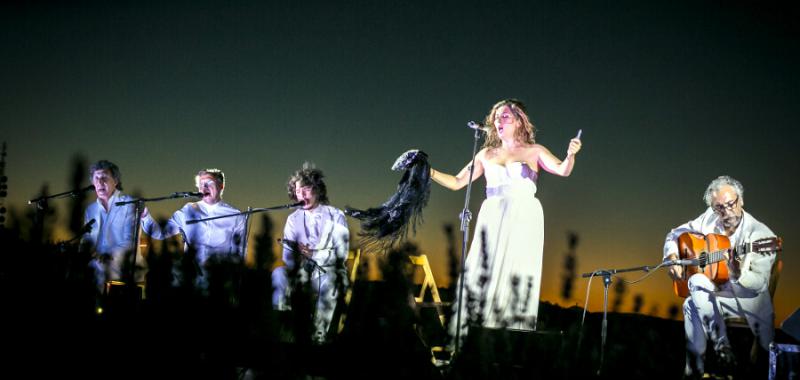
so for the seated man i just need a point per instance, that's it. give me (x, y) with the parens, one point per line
(111, 238)
(315, 245)
(213, 241)
(745, 294)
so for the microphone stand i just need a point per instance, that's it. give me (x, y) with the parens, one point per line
(41, 206)
(607, 273)
(41, 202)
(137, 227)
(76, 237)
(466, 217)
(245, 238)
(62, 245)
(248, 212)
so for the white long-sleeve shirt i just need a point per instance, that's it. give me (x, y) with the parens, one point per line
(112, 232)
(324, 229)
(219, 236)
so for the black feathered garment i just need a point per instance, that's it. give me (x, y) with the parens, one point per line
(384, 226)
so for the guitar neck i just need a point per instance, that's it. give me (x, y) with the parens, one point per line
(717, 256)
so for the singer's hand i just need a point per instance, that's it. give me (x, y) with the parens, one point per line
(408, 158)
(574, 147)
(145, 213)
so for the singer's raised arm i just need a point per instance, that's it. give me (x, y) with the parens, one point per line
(552, 164)
(460, 180)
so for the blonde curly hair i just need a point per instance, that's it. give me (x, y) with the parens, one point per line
(525, 134)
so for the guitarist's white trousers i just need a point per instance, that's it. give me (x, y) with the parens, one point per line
(708, 305)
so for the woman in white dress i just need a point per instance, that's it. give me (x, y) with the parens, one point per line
(503, 270)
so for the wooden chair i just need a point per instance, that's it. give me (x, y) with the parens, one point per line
(428, 284)
(354, 259)
(114, 288)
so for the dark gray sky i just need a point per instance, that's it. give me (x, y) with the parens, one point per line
(669, 94)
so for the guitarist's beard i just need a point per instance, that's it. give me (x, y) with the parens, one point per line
(731, 221)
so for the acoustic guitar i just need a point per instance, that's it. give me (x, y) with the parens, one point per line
(709, 251)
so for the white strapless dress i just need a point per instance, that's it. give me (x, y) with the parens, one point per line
(503, 270)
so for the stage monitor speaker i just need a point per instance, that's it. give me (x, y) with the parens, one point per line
(791, 325)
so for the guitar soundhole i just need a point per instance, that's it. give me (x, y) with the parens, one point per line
(702, 260)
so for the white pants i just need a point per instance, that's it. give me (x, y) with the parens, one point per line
(323, 288)
(708, 305)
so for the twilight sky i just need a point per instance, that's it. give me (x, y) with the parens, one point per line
(669, 94)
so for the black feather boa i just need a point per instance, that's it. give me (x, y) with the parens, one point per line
(383, 226)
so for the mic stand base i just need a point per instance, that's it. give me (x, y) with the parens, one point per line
(606, 282)
(604, 325)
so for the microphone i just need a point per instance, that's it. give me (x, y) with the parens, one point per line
(476, 126)
(84, 230)
(87, 227)
(187, 194)
(298, 204)
(684, 262)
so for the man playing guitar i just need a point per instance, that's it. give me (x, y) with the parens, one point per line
(744, 294)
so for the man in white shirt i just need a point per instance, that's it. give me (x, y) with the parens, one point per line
(315, 244)
(214, 241)
(111, 238)
(745, 294)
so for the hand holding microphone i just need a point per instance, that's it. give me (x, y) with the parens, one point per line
(575, 144)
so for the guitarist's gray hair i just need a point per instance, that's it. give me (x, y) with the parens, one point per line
(720, 181)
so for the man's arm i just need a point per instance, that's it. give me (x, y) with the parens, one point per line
(342, 235)
(696, 225)
(240, 236)
(290, 235)
(342, 248)
(756, 268)
(172, 228)
(671, 241)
